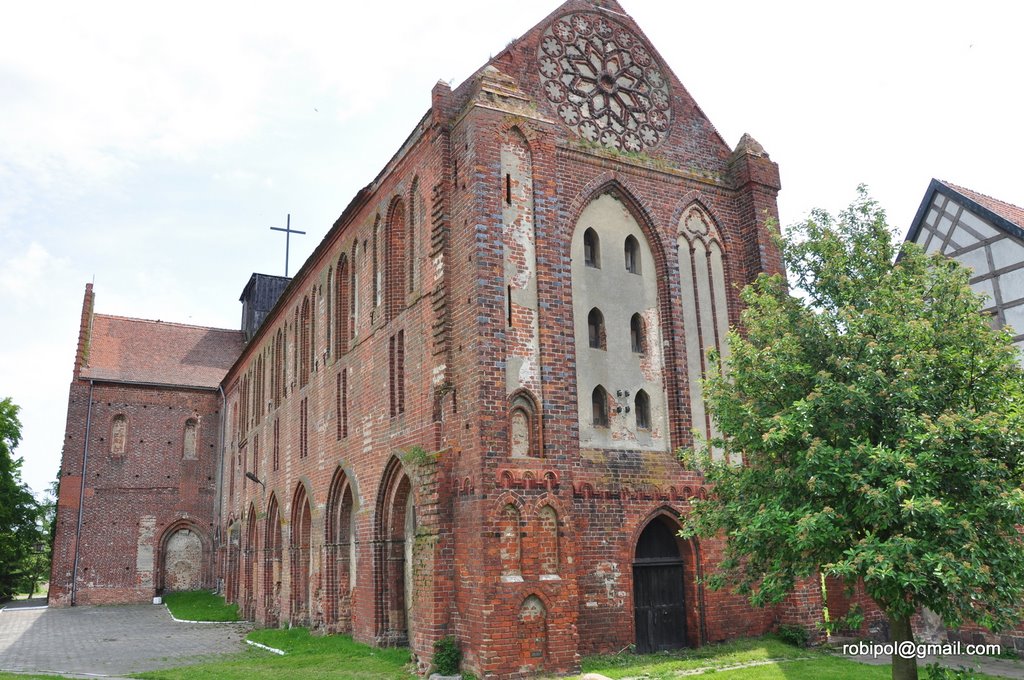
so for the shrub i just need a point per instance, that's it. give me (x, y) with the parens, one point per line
(447, 656)
(792, 635)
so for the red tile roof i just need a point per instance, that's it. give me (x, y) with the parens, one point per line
(1007, 211)
(142, 351)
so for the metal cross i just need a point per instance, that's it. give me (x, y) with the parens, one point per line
(287, 240)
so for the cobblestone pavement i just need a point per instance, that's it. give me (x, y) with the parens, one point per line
(108, 641)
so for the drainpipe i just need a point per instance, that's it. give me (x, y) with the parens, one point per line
(218, 496)
(81, 498)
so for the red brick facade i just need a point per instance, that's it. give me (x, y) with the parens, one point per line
(411, 406)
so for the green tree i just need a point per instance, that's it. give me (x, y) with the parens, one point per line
(880, 423)
(20, 531)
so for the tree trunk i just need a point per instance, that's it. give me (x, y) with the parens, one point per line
(902, 634)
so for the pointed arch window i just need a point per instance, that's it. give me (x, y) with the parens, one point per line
(330, 310)
(632, 254)
(591, 249)
(642, 408)
(599, 406)
(595, 329)
(305, 343)
(637, 338)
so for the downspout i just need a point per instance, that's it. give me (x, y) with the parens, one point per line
(81, 498)
(220, 487)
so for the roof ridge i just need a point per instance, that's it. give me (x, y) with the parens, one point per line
(972, 192)
(167, 323)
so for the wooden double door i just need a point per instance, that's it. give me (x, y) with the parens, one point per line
(658, 595)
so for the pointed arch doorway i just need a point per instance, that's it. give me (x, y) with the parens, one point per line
(659, 601)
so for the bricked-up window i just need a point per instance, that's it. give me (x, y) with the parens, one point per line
(353, 306)
(119, 434)
(395, 286)
(341, 404)
(278, 373)
(295, 347)
(591, 249)
(509, 550)
(304, 427)
(414, 216)
(329, 321)
(304, 340)
(637, 335)
(547, 541)
(632, 253)
(642, 407)
(599, 406)
(190, 439)
(341, 314)
(256, 455)
(258, 389)
(524, 425)
(595, 329)
(378, 272)
(277, 444)
(396, 364)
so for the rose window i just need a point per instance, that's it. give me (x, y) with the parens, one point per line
(604, 83)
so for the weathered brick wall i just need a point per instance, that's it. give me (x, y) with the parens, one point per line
(134, 502)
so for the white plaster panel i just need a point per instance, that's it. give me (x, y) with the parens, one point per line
(984, 288)
(1006, 252)
(1015, 318)
(1011, 284)
(978, 224)
(976, 260)
(618, 294)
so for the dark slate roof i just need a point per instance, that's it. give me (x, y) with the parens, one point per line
(157, 352)
(1005, 216)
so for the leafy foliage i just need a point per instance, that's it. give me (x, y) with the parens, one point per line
(20, 530)
(881, 426)
(793, 635)
(447, 656)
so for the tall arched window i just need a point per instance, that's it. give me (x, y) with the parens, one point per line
(599, 406)
(305, 341)
(705, 307)
(342, 316)
(595, 329)
(591, 249)
(632, 254)
(395, 285)
(378, 271)
(329, 322)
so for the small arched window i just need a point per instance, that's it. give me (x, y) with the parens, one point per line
(632, 253)
(642, 407)
(591, 249)
(595, 329)
(636, 334)
(599, 406)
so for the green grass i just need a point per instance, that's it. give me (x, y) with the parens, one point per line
(328, 657)
(791, 663)
(666, 664)
(200, 605)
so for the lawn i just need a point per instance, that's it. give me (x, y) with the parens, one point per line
(308, 656)
(200, 605)
(780, 662)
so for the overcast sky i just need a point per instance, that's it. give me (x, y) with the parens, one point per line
(149, 147)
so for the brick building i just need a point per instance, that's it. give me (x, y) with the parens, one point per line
(461, 415)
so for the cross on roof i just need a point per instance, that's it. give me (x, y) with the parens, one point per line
(288, 231)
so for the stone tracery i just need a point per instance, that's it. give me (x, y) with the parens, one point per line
(604, 83)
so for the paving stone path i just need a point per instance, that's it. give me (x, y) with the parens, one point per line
(108, 641)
